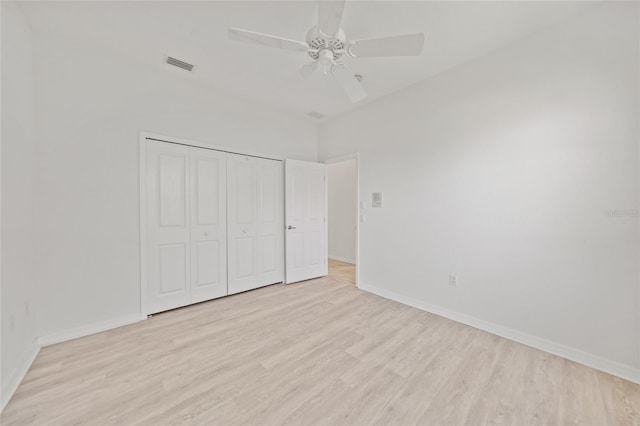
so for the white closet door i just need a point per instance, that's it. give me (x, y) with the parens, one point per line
(241, 223)
(270, 222)
(208, 224)
(168, 246)
(305, 213)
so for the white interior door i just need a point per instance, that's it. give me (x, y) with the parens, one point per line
(241, 223)
(270, 222)
(168, 248)
(305, 220)
(208, 224)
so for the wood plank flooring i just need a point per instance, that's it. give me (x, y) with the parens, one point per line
(342, 271)
(317, 352)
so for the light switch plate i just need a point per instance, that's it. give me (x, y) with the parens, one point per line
(376, 199)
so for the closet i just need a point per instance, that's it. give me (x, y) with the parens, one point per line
(214, 224)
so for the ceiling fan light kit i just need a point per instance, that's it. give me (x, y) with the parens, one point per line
(327, 45)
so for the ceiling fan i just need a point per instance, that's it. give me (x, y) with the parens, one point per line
(327, 45)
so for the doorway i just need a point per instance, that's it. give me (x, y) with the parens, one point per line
(342, 218)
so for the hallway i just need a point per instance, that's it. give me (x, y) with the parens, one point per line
(342, 271)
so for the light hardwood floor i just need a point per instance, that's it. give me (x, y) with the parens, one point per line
(342, 271)
(317, 352)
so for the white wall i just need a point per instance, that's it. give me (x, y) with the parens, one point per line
(18, 180)
(92, 106)
(501, 171)
(341, 187)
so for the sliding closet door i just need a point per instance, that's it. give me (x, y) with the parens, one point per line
(270, 222)
(241, 223)
(168, 248)
(208, 224)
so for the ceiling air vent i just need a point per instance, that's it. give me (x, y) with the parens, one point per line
(315, 114)
(180, 64)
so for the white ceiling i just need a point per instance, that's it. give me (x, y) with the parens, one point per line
(196, 32)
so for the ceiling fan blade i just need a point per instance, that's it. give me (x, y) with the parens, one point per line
(404, 45)
(330, 16)
(297, 78)
(267, 40)
(349, 84)
(308, 69)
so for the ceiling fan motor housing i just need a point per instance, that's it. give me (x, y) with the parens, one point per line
(320, 45)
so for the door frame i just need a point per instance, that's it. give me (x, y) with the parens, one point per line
(340, 159)
(142, 150)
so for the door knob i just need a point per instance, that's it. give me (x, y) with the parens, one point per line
(291, 227)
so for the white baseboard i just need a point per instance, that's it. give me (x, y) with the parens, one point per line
(612, 367)
(11, 386)
(85, 330)
(342, 259)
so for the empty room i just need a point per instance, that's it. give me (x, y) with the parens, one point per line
(320, 213)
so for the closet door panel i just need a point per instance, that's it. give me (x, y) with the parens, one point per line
(270, 222)
(208, 224)
(172, 269)
(245, 258)
(168, 253)
(241, 223)
(207, 265)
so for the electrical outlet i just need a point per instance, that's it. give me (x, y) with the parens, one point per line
(453, 280)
